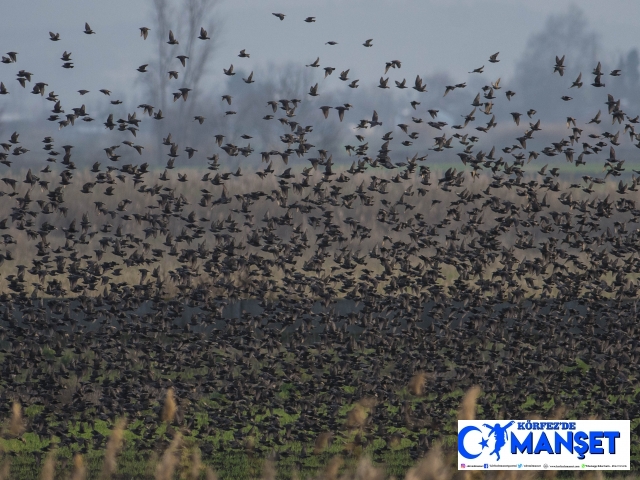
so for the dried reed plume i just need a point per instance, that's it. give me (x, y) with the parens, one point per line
(417, 384)
(559, 413)
(432, 467)
(170, 457)
(79, 469)
(209, 474)
(322, 442)
(369, 403)
(593, 475)
(331, 470)
(16, 426)
(249, 444)
(5, 469)
(170, 407)
(468, 404)
(356, 416)
(468, 412)
(506, 474)
(49, 466)
(367, 471)
(114, 446)
(269, 470)
(196, 464)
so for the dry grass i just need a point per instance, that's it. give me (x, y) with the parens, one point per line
(269, 470)
(170, 459)
(468, 405)
(510, 475)
(170, 407)
(367, 471)
(432, 467)
(5, 470)
(79, 204)
(79, 468)
(210, 474)
(196, 464)
(114, 446)
(49, 467)
(16, 425)
(331, 470)
(438, 464)
(322, 442)
(417, 384)
(356, 416)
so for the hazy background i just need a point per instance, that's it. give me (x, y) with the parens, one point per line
(439, 40)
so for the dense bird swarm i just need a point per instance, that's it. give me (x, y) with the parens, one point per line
(379, 292)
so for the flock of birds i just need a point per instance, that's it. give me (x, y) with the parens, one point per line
(484, 274)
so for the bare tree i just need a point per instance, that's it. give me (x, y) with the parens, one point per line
(568, 35)
(185, 20)
(3, 108)
(630, 67)
(158, 81)
(199, 13)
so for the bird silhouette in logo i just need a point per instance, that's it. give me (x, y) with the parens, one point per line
(499, 434)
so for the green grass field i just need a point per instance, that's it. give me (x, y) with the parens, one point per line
(102, 449)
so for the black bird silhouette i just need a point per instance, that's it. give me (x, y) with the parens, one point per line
(172, 39)
(559, 66)
(358, 289)
(183, 59)
(249, 79)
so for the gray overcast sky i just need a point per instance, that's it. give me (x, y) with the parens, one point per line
(428, 36)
